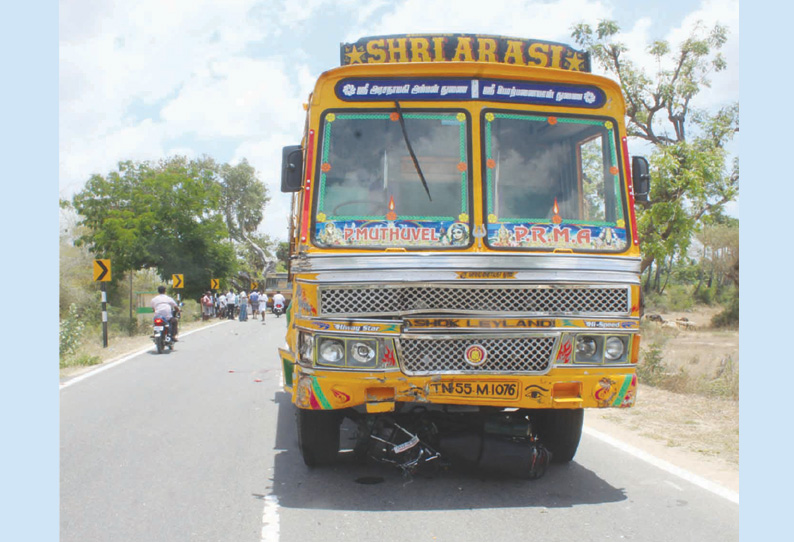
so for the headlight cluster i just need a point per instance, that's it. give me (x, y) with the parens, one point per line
(343, 352)
(600, 348)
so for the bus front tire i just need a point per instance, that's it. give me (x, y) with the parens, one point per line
(318, 436)
(560, 431)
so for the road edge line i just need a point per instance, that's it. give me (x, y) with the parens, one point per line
(105, 366)
(666, 466)
(270, 519)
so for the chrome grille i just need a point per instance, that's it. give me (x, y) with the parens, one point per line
(505, 355)
(525, 299)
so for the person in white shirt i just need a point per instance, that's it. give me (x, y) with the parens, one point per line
(165, 307)
(278, 299)
(263, 305)
(230, 301)
(222, 306)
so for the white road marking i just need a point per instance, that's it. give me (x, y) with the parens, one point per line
(708, 485)
(270, 519)
(107, 366)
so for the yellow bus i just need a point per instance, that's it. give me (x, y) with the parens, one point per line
(464, 252)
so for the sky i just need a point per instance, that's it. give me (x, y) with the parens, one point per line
(150, 79)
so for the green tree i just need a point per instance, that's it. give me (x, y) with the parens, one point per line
(282, 254)
(243, 200)
(249, 260)
(161, 216)
(719, 262)
(690, 177)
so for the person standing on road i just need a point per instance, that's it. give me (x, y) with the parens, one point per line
(230, 300)
(263, 305)
(206, 306)
(243, 306)
(254, 299)
(221, 306)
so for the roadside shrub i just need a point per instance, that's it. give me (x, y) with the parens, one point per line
(654, 302)
(191, 311)
(729, 317)
(680, 297)
(677, 297)
(72, 328)
(705, 295)
(651, 368)
(134, 327)
(726, 381)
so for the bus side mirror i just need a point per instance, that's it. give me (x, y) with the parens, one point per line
(291, 168)
(640, 178)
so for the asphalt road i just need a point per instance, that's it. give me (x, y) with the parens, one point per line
(200, 445)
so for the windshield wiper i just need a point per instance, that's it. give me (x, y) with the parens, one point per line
(411, 150)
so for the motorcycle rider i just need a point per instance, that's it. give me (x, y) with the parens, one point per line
(165, 307)
(278, 299)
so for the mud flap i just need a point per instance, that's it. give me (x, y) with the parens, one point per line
(287, 369)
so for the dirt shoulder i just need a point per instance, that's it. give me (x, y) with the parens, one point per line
(698, 434)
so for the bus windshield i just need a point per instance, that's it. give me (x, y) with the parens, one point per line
(370, 193)
(552, 182)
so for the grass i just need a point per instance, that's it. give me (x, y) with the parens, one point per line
(654, 371)
(80, 360)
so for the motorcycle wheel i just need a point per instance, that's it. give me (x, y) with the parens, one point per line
(160, 343)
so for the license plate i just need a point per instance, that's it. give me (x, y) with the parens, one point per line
(475, 389)
(158, 328)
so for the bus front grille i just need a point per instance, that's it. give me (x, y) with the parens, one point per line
(508, 355)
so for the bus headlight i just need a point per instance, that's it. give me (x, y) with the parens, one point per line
(587, 349)
(362, 353)
(614, 348)
(331, 352)
(353, 353)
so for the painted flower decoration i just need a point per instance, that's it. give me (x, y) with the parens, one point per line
(461, 117)
(462, 166)
(491, 217)
(621, 223)
(608, 125)
(395, 116)
(330, 117)
(463, 217)
(489, 117)
(491, 163)
(552, 120)
(326, 167)
(613, 170)
(321, 217)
